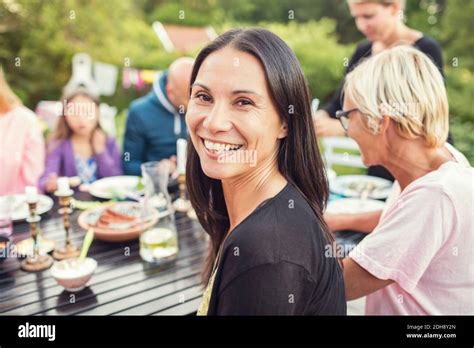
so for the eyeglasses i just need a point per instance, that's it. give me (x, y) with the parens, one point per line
(343, 117)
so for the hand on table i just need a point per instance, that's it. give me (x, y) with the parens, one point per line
(51, 183)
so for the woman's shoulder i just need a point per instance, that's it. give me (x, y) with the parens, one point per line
(285, 229)
(428, 45)
(26, 115)
(56, 145)
(111, 141)
(427, 41)
(363, 50)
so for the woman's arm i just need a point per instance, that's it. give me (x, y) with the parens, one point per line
(52, 167)
(33, 159)
(358, 282)
(363, 222)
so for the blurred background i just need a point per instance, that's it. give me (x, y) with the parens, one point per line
(39, 38)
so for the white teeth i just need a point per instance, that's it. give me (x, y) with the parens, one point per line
(219, 146)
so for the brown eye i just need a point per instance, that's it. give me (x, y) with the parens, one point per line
(203, 97)
(244, 102)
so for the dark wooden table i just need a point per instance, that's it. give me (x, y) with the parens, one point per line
(122, 284)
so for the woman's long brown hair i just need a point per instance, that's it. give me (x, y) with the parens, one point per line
(299, 159)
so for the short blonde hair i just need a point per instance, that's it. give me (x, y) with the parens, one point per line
(404, 84)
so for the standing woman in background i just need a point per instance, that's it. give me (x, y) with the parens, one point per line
(21, 143)
(381, 22)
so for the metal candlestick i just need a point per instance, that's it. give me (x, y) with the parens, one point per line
(182, 204)
(35, 262)
(69, 250)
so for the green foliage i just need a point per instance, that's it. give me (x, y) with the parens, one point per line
(463, 135)
(185, 12)
(51, 32)
(321, 57)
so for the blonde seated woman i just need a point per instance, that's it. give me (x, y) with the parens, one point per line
(418, 259)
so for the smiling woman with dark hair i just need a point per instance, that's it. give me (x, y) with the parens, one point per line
(257, 182)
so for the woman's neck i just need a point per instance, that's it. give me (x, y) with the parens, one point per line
(412, 160)
(80, 139)
(245, 193)
(401, 34)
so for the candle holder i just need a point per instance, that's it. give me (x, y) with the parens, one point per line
(69, 250)
(182, 204)
(35, 262)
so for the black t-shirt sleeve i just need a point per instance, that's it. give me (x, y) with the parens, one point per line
(334, 104)
(432, 49)
(269, 289)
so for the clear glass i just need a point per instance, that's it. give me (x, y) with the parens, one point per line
(159, 244)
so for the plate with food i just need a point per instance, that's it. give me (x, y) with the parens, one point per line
(19, 207)
(354, 206)
(118, 222)
(117, 187)
(356, 186)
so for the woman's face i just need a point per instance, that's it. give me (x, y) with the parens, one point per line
(370, 144)
(82, 115)
(374, 21)
(232, 121)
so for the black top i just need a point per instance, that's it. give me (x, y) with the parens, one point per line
(425, 44)
(274, 263)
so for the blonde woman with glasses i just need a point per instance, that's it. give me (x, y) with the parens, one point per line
(418, 260)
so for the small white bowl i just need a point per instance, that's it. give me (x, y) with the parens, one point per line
(72, 274)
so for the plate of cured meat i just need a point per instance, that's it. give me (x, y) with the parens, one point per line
(118, 222)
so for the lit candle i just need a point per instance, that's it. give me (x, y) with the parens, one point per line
(31, 194)
(181, 154)
(63, 186)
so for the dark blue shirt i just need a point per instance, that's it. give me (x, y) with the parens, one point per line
(150, 130)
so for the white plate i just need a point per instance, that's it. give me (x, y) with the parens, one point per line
(354, 186)
(20, 207)
(354, 206)
(104, 188)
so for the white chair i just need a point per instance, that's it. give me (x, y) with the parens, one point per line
(331, 144)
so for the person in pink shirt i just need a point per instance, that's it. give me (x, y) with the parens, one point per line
(419, 258)
(22, 149)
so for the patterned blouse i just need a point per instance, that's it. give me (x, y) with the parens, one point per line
(86, 169)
